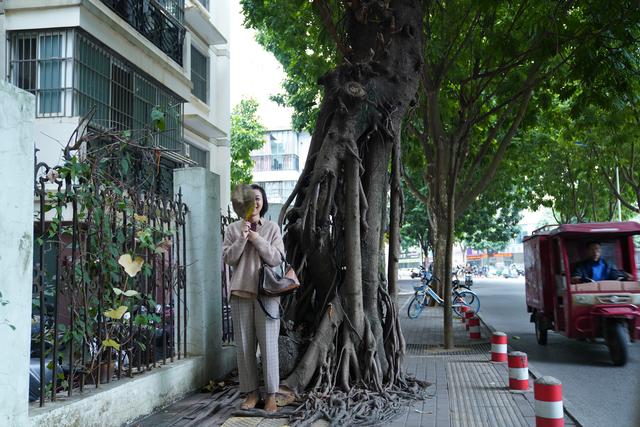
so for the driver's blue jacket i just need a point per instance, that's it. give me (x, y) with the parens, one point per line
(596, 270)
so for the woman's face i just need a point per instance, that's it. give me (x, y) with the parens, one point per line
(258, 203)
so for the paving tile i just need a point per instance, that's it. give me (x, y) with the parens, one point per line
(467, 389)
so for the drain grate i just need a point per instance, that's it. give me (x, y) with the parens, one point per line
(437, 350)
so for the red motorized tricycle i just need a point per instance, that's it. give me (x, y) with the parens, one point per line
(562, 296)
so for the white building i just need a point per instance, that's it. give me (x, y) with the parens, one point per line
(278, 164)
(123, 58)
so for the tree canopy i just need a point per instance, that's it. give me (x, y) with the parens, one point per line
(247, 134)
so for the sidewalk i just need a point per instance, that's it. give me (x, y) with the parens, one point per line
(467, 389)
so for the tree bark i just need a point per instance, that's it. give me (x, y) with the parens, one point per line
(334, 230)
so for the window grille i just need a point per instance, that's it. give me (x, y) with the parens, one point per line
(123, 96)
(198, 155)
(41, 63)
(285, 162)
(70, 72)
(199, 74)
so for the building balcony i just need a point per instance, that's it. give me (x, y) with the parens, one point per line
(160, 21)
(276, 162)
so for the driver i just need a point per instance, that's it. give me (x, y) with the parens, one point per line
(596, 268)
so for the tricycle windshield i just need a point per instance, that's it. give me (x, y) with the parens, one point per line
(611, 258)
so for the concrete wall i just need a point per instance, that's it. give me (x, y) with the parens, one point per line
(122, 401)
(204, 257)
(17, 112)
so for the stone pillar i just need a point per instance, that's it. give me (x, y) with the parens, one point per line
(17, 115)
(200, 192)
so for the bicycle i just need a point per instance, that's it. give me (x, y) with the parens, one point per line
(424, 293)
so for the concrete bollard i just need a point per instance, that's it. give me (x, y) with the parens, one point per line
(468, 316)
(474, 328)
(547, 393)
(499, 347)
(518, 371)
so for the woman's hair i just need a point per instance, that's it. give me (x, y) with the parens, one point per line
(265, 204)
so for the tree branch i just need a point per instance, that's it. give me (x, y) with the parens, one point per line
(322, 7)
(464, 201)
(606, 173)
(413, 188)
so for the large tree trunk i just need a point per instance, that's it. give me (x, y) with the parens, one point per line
(334, 229)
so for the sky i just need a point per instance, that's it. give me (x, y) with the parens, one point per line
(255, 73)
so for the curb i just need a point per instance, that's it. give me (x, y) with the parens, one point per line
(568, 406)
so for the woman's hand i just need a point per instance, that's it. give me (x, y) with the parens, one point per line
(246, 229)
(248, 233)
(252, 235)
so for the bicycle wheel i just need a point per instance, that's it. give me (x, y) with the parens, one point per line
(416, 306)
(467, 298)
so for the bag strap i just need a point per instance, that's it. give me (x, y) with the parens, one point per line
(266, 312)
(265, 265)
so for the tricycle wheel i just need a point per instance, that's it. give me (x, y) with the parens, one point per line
(617, 343)
(541, 330)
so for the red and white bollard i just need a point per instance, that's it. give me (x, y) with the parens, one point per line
(463, 311)
(499, 347)
(547, 392)
(468, 316)
(518, 371)
(474, 328)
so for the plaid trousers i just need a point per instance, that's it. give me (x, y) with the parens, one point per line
(249, 323)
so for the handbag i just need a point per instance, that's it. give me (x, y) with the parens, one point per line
(274, 284)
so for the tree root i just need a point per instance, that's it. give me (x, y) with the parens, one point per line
(359, 406)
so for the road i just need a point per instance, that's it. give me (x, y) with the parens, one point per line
(598, 393)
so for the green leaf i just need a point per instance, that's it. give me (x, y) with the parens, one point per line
(111, 343)
(116, 313)
(124, 165)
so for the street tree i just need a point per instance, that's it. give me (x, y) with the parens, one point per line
(334, 229)
(482, 62)
(488, 65)
(247, 134)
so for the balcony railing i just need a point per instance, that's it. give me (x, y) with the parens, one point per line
(160, 21)
(275, 162)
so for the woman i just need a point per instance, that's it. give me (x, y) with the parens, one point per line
(246, 245)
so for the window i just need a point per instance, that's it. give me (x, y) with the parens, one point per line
(276, 163)
(199, 74)
(50, 73)
(121, 97)
(38, 65)
(198, 155)
(277, 146)
(278, 191)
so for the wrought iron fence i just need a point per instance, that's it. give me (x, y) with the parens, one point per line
(95, 319)
(227, 321)
(160, 22)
